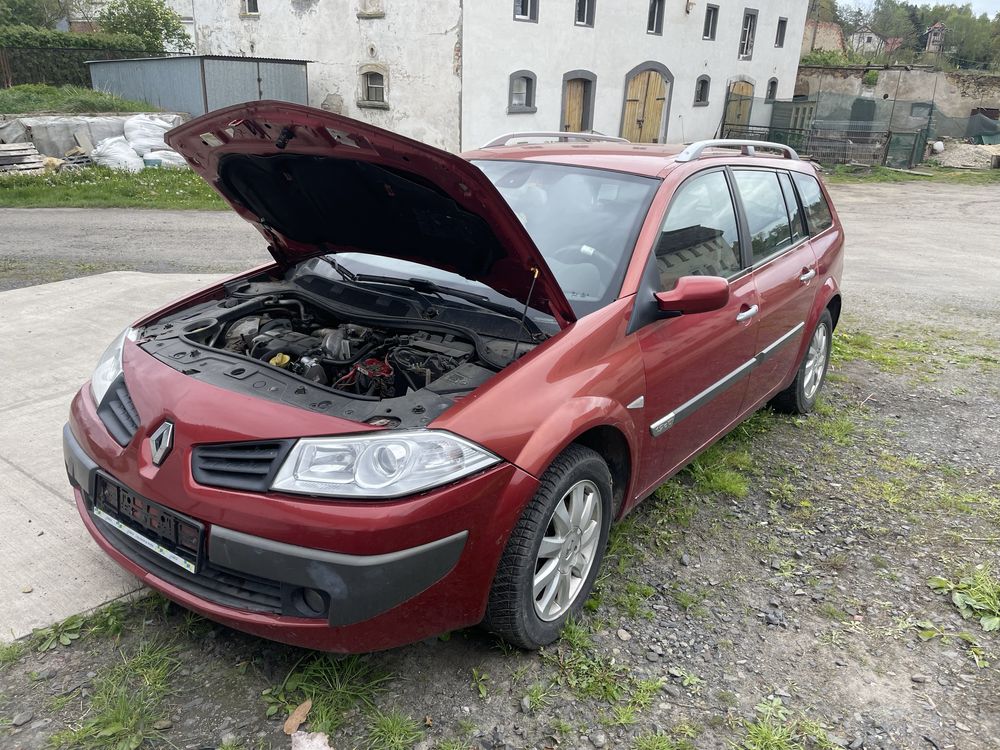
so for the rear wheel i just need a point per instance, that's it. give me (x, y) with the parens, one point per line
(551, 560)
(800, 396)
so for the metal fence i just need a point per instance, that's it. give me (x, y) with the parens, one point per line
(850, 145)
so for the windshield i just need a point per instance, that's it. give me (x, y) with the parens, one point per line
(584, 221)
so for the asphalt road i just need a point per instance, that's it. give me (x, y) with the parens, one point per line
(917, 253)
(913, 248)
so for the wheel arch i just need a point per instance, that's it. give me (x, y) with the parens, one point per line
(601, 424)
(611, 444)
(834, 306)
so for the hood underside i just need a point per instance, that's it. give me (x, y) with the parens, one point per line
(315, 183)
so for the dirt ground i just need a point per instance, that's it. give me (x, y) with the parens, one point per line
(774, 596)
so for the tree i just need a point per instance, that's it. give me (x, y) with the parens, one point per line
(42, 14)
(150, 20)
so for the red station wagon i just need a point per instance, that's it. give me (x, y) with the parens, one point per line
(456, 373)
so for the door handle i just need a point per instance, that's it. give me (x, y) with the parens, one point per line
(747, 314)
(807, 275)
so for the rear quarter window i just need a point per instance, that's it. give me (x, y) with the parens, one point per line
(817, 210)
(766, 211)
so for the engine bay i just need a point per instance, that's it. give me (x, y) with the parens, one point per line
(382, 370)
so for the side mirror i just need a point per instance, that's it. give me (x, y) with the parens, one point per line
(694, 294)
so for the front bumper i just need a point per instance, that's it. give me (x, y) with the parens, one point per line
(371, 601)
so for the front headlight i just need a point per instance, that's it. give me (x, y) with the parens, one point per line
(379, 465)
(109, 366)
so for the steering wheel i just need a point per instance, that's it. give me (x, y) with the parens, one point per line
(571, 254)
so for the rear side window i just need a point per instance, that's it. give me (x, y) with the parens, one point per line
(817, 210)
(767, 216)
(792, 205)
(699, 235)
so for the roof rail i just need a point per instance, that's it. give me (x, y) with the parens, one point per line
(560, 135)
(747, 148)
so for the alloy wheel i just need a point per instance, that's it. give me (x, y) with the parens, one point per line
(816, 359)
(567, 551)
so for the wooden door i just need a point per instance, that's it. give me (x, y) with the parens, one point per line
(576, 95)
(645, 99)
(738, 104)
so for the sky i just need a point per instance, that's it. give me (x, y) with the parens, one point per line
(989, 7)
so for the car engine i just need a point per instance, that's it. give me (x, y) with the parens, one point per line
(348, 357)
(270, 340)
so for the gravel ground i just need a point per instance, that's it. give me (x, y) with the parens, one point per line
(779, 588)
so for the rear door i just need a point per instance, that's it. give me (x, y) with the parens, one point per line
(695, 365)
(784, 271)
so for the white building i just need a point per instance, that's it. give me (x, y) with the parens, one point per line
(456, 73)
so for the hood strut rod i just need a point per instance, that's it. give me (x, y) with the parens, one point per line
(527, 303)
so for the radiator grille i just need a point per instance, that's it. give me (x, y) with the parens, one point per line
(118, 413)
(239, 466)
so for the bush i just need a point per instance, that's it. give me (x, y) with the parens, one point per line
(30, 55)
(870, 78)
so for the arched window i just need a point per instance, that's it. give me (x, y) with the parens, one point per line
(521, 92)
(701, 88)
(772, 90)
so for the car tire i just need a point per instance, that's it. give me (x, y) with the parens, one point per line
(537, 590)
(800, 396)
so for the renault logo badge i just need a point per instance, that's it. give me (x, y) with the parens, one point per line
(161, 441)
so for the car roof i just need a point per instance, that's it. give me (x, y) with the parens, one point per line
(645, 159)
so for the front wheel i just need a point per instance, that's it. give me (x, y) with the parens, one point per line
(800, 396)
(551, 560)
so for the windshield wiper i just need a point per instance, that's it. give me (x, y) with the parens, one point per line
(344, 273)
(427, 286)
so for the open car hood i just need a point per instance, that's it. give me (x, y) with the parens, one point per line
(315, 183)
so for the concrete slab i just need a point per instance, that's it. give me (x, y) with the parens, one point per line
(55, 334)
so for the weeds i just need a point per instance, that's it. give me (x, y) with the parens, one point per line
(718, 471)
(976, 595)
(481, 682)
(392, 730)
(774, 729)
(10, 653)
(129, 698)
(334, 685)
(36, 97)
(538, 696)
(61, 634)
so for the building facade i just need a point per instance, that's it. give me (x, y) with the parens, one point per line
(457, 73)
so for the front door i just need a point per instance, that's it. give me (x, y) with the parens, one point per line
(645, 101)
(696, 365)
(784, 269)
(575, 106)
(738, 104)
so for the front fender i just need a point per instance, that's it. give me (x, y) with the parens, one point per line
(568, 422)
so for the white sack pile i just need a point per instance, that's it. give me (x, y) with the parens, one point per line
(143, 138)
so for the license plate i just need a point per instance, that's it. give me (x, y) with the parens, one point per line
(174, 537)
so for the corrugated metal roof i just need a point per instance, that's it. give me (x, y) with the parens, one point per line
(205, 57)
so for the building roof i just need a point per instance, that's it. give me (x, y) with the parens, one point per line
(207, 57)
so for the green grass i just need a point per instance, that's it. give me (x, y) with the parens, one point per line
(719, 471)
(33, 98)
(539, 696)
(10, 653)
(334, 685)
(100, 187)
(774, 729)
(842, 174)
(128, 698)
(392, 730)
